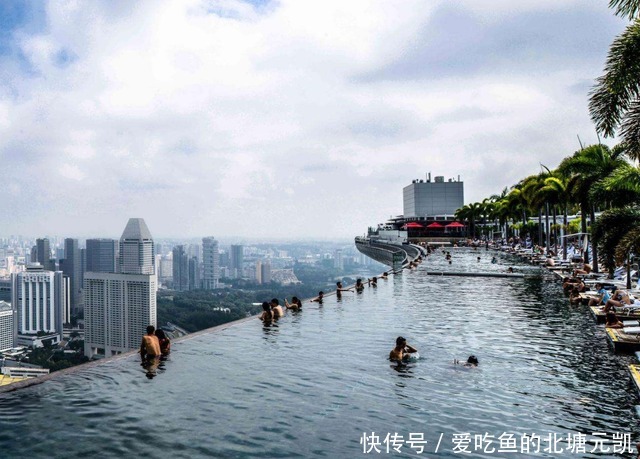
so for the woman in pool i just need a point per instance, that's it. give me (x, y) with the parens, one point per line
(612, 321)
(295, 304)
(165, 344)
(267, 314)
(402, 352)
(359, 286)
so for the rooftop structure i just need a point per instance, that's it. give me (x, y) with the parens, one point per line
(425, 198)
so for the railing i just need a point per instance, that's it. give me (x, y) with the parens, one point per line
(393, 255)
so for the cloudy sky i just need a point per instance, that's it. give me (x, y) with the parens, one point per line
(281, 118)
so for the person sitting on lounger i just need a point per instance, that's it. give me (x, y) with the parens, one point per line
(586, 269)
(612, 321)
(603, 296)
(620, 299)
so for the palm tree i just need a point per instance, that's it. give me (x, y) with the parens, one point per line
(616, 234)
(614, 102)
(629, 8)
(554, 189)
(469, 213)
(584, 170)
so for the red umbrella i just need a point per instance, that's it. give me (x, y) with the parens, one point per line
(455, 225)
(434, 225)
(413, 225)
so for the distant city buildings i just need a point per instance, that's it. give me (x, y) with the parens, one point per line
(263, 272)
(120, 306)
(210, 263)
(43, 255)
(236, 261)
(180, 268)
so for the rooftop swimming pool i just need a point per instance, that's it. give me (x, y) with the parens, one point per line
(313, 384)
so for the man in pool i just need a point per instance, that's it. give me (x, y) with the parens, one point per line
(150, 345)
(402, 350)
(319, 298)
(276, 309)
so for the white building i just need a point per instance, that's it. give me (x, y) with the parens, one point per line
(7, 326)
(38, 296)
(210, 263)
(427, 199)
(120, 306)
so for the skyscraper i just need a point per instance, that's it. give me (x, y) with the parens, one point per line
(101, 255)
(136, 249)
(120, 306)
(194, 273)
(236, 262)
(38, 296)
(71, 266)
(210, 263)
(180, 268)
(43, 254)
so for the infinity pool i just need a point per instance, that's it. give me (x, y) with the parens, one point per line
(319, 383)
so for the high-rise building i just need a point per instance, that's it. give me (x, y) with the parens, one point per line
(263, 272)
(38, 296)
(43, 254)
(120, 306)
(136, 249)
(180, 269)
(194, 273)
(7, 326)
(71, 266)
(101, 255)
(210, 263)
(236, 261)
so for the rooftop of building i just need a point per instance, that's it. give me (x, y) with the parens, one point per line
(136, 229)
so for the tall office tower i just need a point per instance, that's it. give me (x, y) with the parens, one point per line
(8, 333)
(159, 248)
(236, 261)
(338, 260)
(210, 263)
(259, 271)
(34, 254)
(180, 269)
(38, 296)
(194, 273)
(118, 307)
(71, 266)
(101, 255)
(194, 250)
(265, 272)
(43, 254)
(136, 249)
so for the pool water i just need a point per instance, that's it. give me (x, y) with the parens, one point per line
(313, 384)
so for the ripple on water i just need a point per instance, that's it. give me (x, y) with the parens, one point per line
(312, 385)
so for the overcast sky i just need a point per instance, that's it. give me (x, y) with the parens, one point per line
(288, 118)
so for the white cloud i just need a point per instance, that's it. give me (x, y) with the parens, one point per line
(194, 114)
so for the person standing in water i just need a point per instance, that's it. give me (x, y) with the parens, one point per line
(402, 351)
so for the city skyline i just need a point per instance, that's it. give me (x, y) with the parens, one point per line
(281, 119)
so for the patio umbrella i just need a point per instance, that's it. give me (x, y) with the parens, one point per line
(434, 225)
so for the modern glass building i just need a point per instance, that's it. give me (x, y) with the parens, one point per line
(210, 263)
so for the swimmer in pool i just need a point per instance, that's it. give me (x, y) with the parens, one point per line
(402, 350)
(471, 362)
